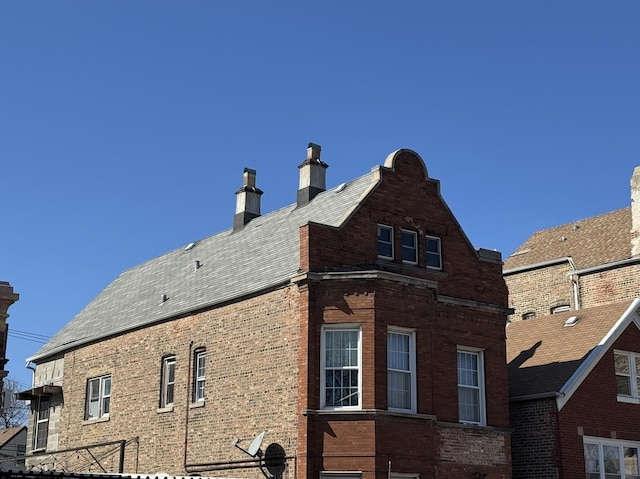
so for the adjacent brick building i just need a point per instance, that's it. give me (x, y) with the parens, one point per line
(574, 362)
(358, 328)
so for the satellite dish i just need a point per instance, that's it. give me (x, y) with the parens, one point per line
(254, 447)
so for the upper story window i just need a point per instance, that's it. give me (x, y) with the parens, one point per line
(433, 252)
(167, 381)
(561, 308)
(611, 459)
(529, 315)
(401, 369)
(199, 362)
(98, 397)
(627, 367)
(41, 422)
(471, 397)
(340, 375)
(385, 241)
(409, 247)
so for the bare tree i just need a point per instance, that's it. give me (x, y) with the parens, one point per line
(13, 412)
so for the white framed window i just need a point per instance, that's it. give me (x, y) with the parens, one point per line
(627, 368)
(471, 395)
(561, 308)
(167, 381)
(611, 459)
(41, 422)
(409, 247)
(341, 369)
(433, 252)
(401, 369)
(98, 397)
(199, 363)
(385, 241)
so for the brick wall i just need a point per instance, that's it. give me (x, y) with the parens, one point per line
(533, 441)
(610, 286)
(251, 386)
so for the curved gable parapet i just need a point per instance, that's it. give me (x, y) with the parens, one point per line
(405, 159)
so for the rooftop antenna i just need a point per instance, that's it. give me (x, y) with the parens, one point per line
(254, 450)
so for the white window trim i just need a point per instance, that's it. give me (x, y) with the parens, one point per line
(101, 397)
(633, 378)
(481, 383)
(164, 384)
(334, 327)
(199, 379)
(415, 246)
(412, 365)
(600, 442)
(383, 226)
(430, 253)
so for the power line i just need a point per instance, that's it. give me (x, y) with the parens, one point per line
(28, 336)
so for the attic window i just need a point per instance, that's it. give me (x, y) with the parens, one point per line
(529, 315)
(561, 308)
(571, 321)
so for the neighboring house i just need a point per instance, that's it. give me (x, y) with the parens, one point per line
(574, 387)
(358, 327)
(7, 298)
(578, 265)
(13, 446)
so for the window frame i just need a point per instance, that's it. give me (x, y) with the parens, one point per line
(332, 328)
(199, 375)
(431, 254)
(103, 399)
(481, 387)
(633, 376)
(166, 384)
(411, 371)
(414, 235)
(390, 243)
(560, 308)
(600, 443)
(41, 424)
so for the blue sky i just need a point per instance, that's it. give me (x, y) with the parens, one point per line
(125, 126)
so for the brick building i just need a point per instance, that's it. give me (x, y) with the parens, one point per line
(572, 413)
(358, 328)
(7, 298)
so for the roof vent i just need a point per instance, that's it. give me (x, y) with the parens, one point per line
(571, 321)
(189, 246)
(163, 298)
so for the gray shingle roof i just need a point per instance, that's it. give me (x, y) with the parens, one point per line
(265, 253)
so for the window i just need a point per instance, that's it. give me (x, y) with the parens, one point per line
(340, 375)
(168, 381)
(434, 255)
(199, 361)
(471, 406)
(611, 459)
(385, 241)
(627, 367)
(409, 247)
(22, 450)
(98, 397)
(561, 308)
(41, 423)
(401, 367)
(529, 315)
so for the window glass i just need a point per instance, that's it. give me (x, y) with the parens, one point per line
(41, 432)
(611, 456)
(341, 368)
(409, 246)
(168, 381)
(98, 397)
(631, 468)
(470, 387)
(400, 370)
(434, 257)
(385, 241)
(199, 375)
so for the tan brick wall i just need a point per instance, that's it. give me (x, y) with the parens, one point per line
(610, 286)
(251, 376)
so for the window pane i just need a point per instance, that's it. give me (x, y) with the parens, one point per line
(107, 386)
(622, 363)
(592, 459)
(433, 252)
(409, 246)
(624, 385)
(611, 460)
(469, 404)
(399, 394)
(385, 241)
(631, 462)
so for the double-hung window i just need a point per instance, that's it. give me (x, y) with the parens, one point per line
(168, 381)
(385, 241)
(98, 397)
(433, 252)
(627, 367)
(41, 423)
(471, 397)
(401, 370)
(341, 374)
(199, 362)
(611, 459)
(409, 247)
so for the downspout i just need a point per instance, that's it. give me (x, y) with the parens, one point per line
(575, 282)
(186, 413)
(33, 372)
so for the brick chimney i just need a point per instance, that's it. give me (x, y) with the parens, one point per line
(247, 200)
(313, 173)
(635, 212)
